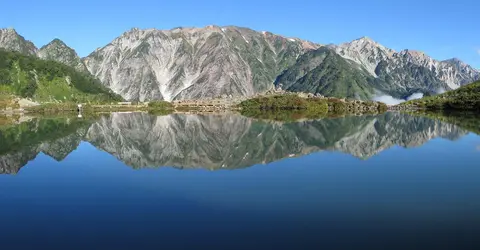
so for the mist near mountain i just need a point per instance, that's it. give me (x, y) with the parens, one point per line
(390, 100)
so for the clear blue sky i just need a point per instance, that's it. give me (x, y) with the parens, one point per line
(442, 29)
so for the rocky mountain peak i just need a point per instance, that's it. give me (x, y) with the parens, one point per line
(58, 42)
(133, 33)
(364, 39)
(9, 30)
(212, 27)
(11, 40)
(465, 72)
(55, 43)
(456, 62)
(310, 45)
(130, 32)
(57, 50)
(266, 33)
(134, 29)
(367, 42)
(453, 71)
(419, 58)
(413, 53)
(366, 52)
(190, 63)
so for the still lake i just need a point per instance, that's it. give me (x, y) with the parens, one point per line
(139, 181)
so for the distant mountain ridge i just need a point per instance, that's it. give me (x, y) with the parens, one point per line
(371, 54)
(398, 74)
(213, 61)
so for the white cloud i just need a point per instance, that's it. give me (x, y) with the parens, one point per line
(390, 100)
(440, 91)
(415, 96)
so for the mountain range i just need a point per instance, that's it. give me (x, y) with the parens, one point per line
(214, 142)
(214, 61)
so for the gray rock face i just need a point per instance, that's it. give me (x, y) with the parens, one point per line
(457, 73)
(408, 71)
(11, 40)
(192, 63)
(365, 52)
(58, 51)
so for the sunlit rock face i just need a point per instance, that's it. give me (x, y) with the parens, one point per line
(193, 63)
(198, 63)
(58, 51)
(404, 72)
(11, 40)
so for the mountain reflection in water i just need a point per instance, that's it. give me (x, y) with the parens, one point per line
(213, 141)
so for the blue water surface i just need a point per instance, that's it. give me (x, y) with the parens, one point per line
(423, 197)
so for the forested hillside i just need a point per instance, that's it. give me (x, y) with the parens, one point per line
(464, 98)
(48, 81)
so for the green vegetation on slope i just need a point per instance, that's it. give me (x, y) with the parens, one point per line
(37, 131)
(160, 105)
(157, 107)
(284, 107)
(324, 71)
(464, 98)
(292, 106)
(285, 102)
(48, 81)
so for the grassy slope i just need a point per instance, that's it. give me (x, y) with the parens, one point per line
(324, 71)
(464, 98)
(48, 81)
(292, 107)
